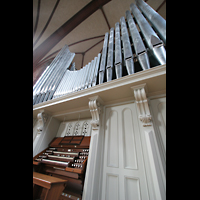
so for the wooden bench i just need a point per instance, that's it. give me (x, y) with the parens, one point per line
(47, 187)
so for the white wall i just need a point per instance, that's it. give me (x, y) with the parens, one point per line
(76, 127)
(158, 111)
(43, 139)
(35, 125)
(55, 128)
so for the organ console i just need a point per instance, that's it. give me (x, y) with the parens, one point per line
(66, 159)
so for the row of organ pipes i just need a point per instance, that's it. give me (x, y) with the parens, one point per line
(119, 52)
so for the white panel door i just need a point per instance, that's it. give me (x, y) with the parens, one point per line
(123, 167)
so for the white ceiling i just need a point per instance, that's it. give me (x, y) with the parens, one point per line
(94, 25)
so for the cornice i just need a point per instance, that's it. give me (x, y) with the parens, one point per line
(114, 85)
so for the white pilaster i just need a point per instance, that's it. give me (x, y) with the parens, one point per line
(94, 106)
(46, 130)
(42, 118)
(151, 147)
(91, 186)
(142, 104)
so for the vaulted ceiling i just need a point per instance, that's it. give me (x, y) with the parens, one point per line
(81, 24)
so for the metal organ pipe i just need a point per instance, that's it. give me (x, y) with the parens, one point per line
(57, 80)
(55, 76)
(138, 44)
(40, 78)
(118, 52)
(87, 76)
(62, 84)
(103, 59)
(59, 76)
(62, 76)
(158, 22)
(109, 67)
(153, 41)
(81, 79)
(62, 91)
(92, 72)
(70, 81)
(73, 67)
(84, 77)
(45, 82)
(96, 70)
(128, 55)
(40, 86)
(68, 60)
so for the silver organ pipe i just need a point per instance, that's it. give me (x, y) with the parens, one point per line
(57, 69)
(126, 50)
(39, 88)
(109, 67)
(82, 85)
(77, 80)
(153, 41)
(138, 44)
(40, 78)
(56, 80)
(128, 55)
(118, 52)
(94, 80)
(92, 72)
(87, 75)
(158, 22)
(80, 79)
(103, 59)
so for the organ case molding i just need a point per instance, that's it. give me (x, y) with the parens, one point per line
(142, 104)
(42, 119)
(95, 109)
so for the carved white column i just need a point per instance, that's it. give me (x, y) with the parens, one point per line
(91, 184)
(94, 107)
(142, 104)
(42, 118)
(155, 173)
(34, 121)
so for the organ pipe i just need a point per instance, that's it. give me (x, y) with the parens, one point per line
(123, 45)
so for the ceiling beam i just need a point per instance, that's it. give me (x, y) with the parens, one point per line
(46, 58)
(94, 45)
(105, 17)
(160, 6)
(83, 55)
(66, 28)
(85, 40)
(48, 21)
(37, 18)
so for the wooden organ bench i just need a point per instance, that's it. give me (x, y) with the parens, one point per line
(47, 187)
(65, 159)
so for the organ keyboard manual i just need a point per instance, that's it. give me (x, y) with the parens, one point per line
(65, 158)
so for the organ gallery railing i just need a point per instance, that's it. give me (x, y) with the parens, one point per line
(127, 49)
